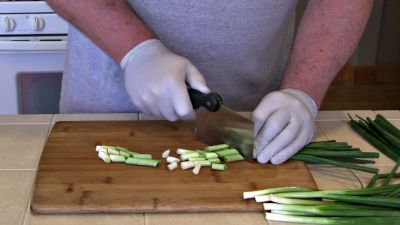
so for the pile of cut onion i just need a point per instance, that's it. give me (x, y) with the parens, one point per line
(186, 159)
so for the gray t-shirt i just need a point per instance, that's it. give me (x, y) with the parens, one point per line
(241, 48)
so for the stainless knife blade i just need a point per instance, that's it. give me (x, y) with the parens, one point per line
(217, 124)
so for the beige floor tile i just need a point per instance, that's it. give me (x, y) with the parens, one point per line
(105, 116)
(15, 187)
(389, 114)
(87, 219)
(206, 218)
(21, 145)
(343, 115)
(26, 119)
(341, 131)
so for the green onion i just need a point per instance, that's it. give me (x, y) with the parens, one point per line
(196, 168)
(105, 157)
(391, 174)
(233, 158)
(117, 158)
(143, 156)
(132, 161)
(342, 154)
(165, 154)
(381, 176)
(209, 155)
(282, 200)
(214, 160)
(326, 144)
(252, 194)
(149, 162)
(327, 220)
(218, 166)
(374, 140)
(214, 148)
(309, 158)
(187, 165)
(334, 210)
(185, 157)
(226, 152)
(172, 166)
(389, 127)
(394, 142)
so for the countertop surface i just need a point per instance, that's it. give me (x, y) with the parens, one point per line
(22, 138)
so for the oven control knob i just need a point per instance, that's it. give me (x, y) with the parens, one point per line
(36, 23)
(7, 24)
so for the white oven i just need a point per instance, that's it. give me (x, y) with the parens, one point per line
(32, 48)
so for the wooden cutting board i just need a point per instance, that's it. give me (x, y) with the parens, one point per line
(72, 179)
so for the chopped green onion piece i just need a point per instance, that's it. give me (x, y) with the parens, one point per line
(109, 146)
(125, 154)
(165, 154)
(203, 163)
(149, 162)
(181, 151)
(214, 160)
(226, 152)
(104, 156)
(187, 165)
(132, 161)
(209, 155)
(117, 158)
(196, 168)
(112, 151)
(172, 166)
(119, 148)
(103, 150)
(218, 166)
(233, 158)
(214, 148)
(197, 159)
(171, 159)
(185, 157)
(201, 152)
(143, 156)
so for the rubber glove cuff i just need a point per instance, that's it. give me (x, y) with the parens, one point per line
(305, 98)
(141, 49)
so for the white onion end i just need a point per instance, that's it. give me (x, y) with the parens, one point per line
(165, 154)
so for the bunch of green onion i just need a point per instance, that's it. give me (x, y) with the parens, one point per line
(339, 154)
(371, 205)
(380, 133)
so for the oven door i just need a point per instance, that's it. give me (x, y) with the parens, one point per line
(30, 76)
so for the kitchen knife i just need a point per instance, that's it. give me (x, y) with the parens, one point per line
(217, 124)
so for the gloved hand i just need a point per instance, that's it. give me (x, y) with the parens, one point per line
(156, 80)
(284, 122)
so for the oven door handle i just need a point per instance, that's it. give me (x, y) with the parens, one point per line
(33, 46)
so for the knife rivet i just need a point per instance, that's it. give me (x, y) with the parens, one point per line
(208, 103)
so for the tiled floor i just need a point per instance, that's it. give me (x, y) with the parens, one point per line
(22, 139)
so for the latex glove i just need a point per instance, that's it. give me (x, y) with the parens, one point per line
(284, 122)
(156, 80)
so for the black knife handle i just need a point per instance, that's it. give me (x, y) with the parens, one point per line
(211, 101)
